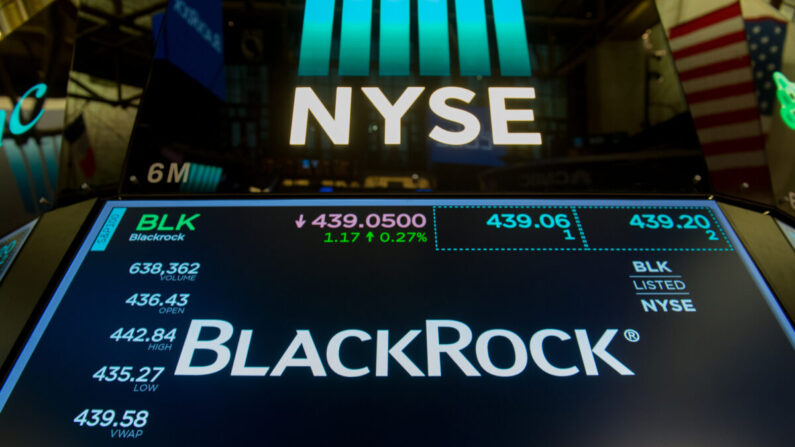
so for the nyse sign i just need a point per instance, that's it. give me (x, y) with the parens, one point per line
(337, 126)
(434, 60)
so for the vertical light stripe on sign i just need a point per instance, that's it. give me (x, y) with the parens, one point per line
(355, 37)
(32, 155)
(473, 40)
(511, 38)
(198, 178)
(208, 178)
(394, 39)
(50, 147)
(434, 38)
(208, 183)
(315, 56)
(203, 180)
(216, 179)
(193, 174)
(20, 171)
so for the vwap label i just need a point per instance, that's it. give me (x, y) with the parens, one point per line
(434, 60)
(383, 350)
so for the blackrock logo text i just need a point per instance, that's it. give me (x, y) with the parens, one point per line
(388, 346)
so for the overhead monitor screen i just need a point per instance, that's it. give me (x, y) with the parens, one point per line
(405, 322)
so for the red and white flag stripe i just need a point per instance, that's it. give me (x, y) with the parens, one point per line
(714, 65)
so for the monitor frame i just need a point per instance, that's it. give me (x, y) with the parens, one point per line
(787, 309)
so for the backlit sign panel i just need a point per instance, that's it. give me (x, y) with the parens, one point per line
(356, 35)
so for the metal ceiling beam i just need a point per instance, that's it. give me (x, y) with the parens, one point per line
(126, 20)
(94, 96)
(580, 51)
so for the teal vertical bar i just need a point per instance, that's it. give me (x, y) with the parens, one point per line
(217, 178)
(211, 179)
(194, 169)
(208, 184)
(203, 179)
(473, 39)
(315, 56)
(196, 175)
(511, 38)
(2, 125)
(197, 184)
(108, 229)
(190, 186)
(183, 186)
(434, 38)
(36, 164)
(357, 17)
(20, 171)
(394, 40)
(51, 158)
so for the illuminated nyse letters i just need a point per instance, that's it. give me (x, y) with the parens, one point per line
(392, 113)
(15, 120)
(439, 106)
(500, 116)
(435, 349)
(337, 127)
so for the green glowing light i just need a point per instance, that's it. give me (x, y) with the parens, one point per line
(786, 97)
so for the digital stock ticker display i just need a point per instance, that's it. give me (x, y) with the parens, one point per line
(406, 322)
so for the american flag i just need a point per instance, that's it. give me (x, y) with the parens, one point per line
(766, 36)
(718, 74)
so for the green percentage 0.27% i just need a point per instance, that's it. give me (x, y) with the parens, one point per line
(384, 237)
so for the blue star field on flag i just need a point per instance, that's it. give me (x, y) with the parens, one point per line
(766, 44)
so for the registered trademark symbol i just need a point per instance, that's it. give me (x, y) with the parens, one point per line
(632, 335)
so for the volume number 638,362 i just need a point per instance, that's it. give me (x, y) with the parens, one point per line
(157, 268)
